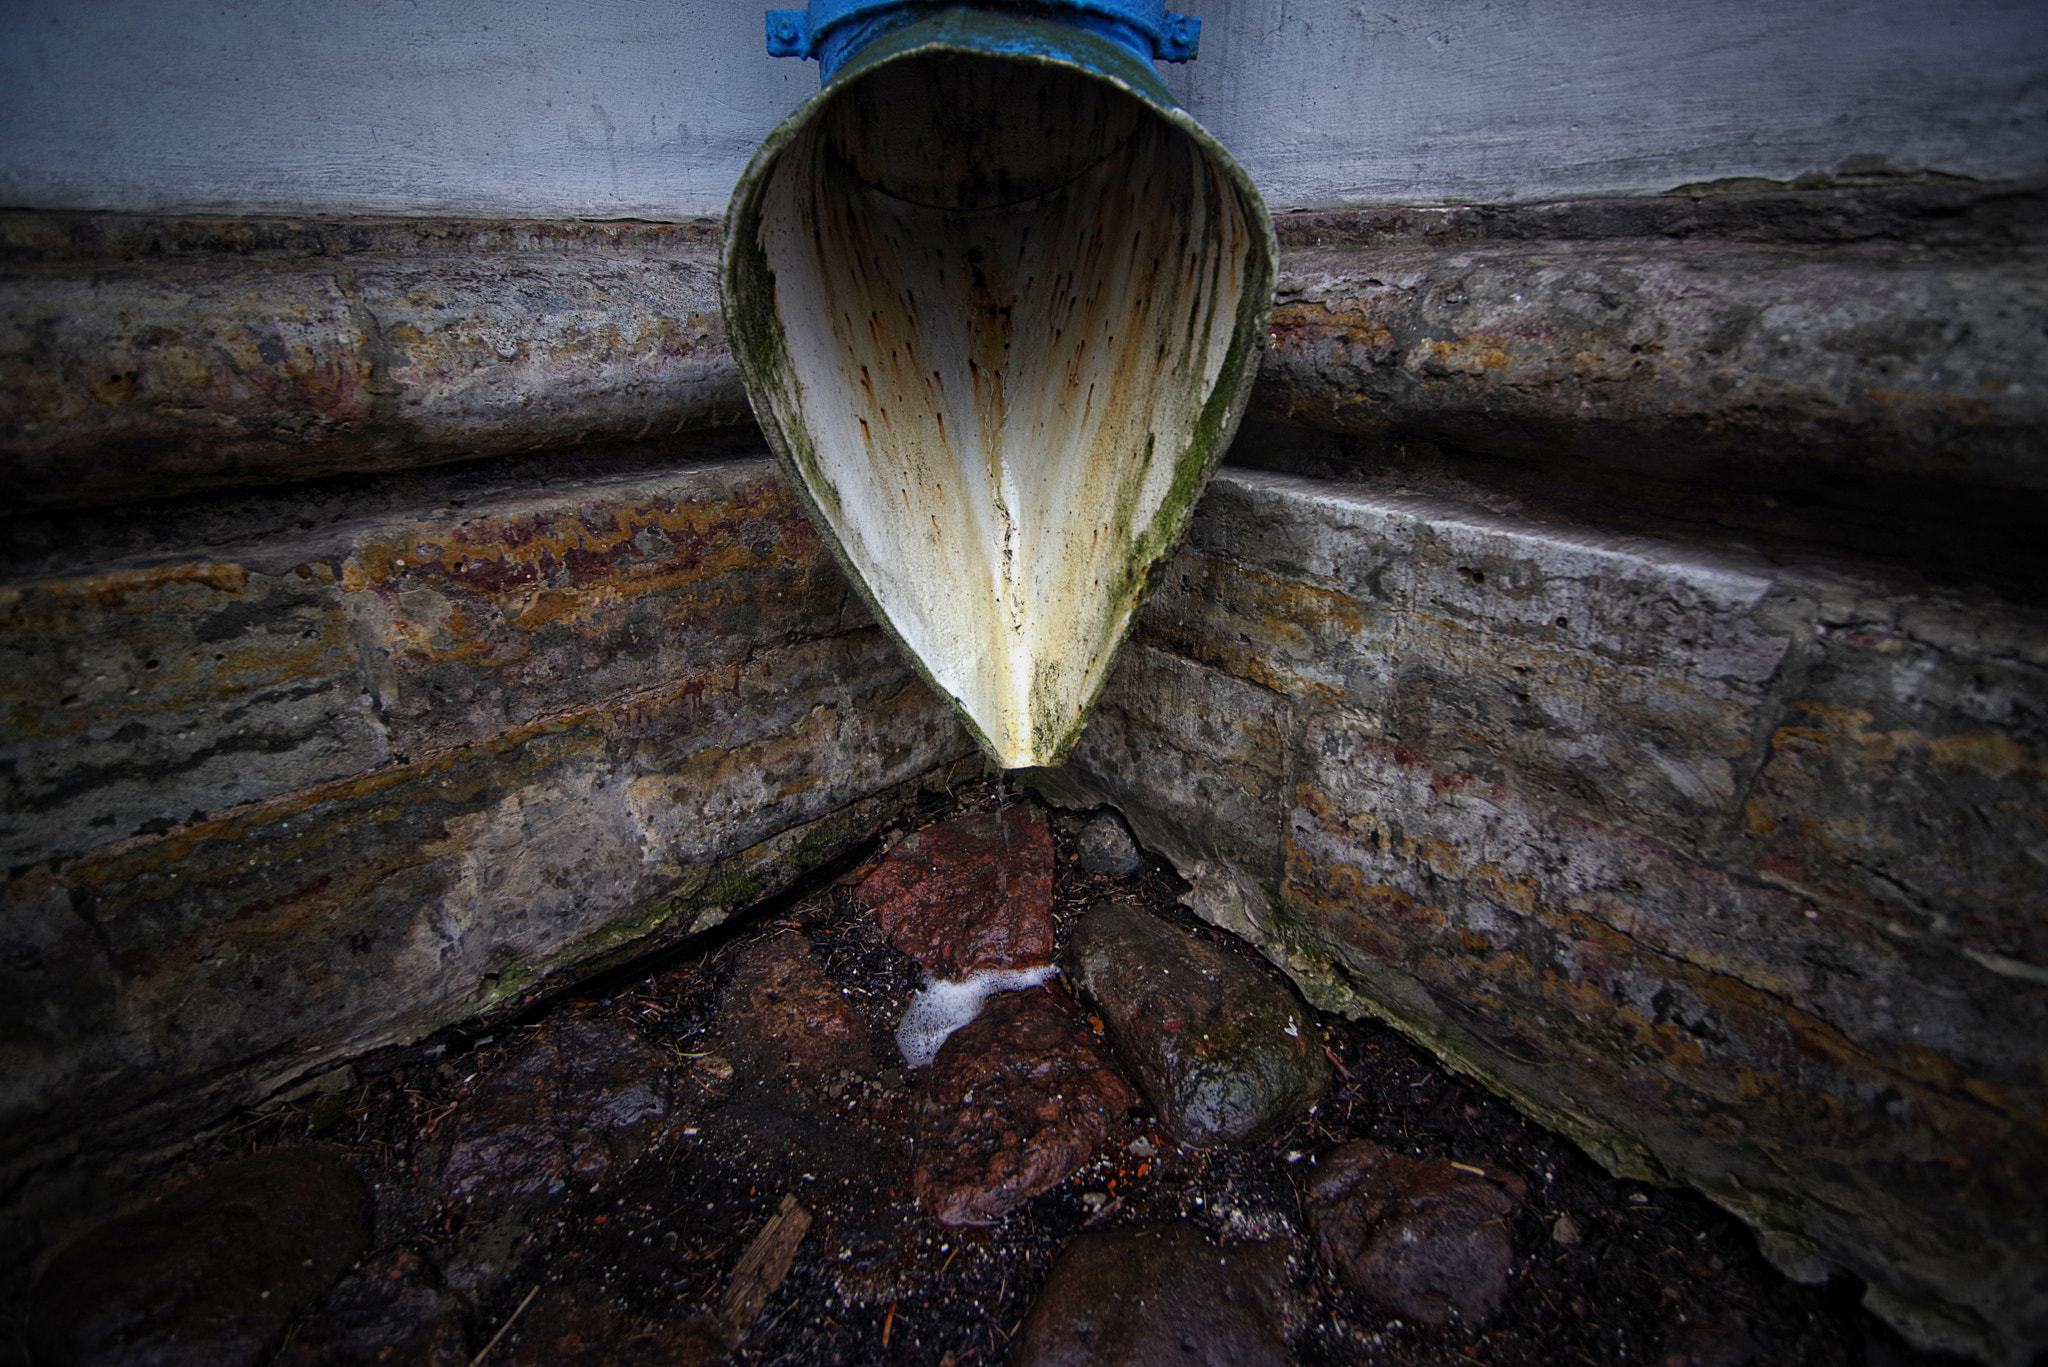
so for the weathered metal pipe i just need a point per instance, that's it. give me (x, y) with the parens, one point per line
(998, 303)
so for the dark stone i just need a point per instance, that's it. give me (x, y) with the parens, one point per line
(209, 1274)
(969, 894)
(1165, 1295)
(1424, 1237)
(391, 1309)
(784, 1019)
(1222, 1052)
(1106, 847)
(583, 1099)
(1015, 1100)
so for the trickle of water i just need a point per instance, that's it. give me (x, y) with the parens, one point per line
(1003, 826)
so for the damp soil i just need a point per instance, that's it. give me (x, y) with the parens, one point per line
(1606, 1270)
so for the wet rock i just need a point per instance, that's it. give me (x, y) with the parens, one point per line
(1165, 1295)
(1014, 1102)
(585, 1324)
(1222, 1052)
(786, 1021)
(1106, 847)
(1424, 1237)
(582, 1100)
(209, 1274)
(969, 894)
(391, 1309)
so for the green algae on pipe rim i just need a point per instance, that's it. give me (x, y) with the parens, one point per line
(998, 303)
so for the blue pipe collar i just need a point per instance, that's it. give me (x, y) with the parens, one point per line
(832, 31)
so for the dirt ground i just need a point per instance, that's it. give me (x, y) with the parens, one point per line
(1606, 1271)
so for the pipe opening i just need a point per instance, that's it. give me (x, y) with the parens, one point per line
(1006, 293)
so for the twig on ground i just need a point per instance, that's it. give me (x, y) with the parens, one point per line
(763, 1266)
(485, 1351)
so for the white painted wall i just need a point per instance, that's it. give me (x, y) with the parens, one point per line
(632, 108)
(1418, 101)
(561, 108)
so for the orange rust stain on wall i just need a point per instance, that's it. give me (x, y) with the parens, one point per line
(1192, 620)
(1298, 325)
(115, 591)
(1471, 353)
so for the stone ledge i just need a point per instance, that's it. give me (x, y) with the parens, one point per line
(199, 678)
(1698, 358)
(150, 358)
(1889, 330)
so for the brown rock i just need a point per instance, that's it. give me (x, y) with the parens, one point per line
(1423, 1237)
(582, 1099)
(1015, 1101)
(786, 1020)
(1152, 1297)
(969, 894)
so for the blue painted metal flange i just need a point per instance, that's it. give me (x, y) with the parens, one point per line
(832, 31)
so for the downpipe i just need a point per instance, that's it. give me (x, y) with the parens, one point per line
(998, 302)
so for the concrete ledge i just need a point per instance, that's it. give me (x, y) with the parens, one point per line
(1727, 867)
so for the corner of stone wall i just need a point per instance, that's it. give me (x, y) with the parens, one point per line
(1624, 828)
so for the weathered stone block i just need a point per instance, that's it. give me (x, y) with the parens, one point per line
(583, 719)
(141, 696)
(1726, 867)
(525, 606)
(153, 356)
(373, 908)
(1643, 352)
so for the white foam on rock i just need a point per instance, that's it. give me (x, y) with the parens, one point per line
(943, 1007)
